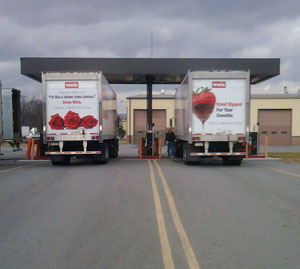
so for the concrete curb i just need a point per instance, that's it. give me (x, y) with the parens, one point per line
(262, 159)
(33, 161)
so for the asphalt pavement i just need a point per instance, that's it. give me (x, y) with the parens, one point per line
(134, 213)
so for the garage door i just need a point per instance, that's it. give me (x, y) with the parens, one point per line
(276, 124)
(158, 118)
(140, 121)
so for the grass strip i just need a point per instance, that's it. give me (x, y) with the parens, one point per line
(286, 156)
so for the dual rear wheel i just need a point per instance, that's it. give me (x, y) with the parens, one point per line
(98, 159)
(233, 162)
(228, 160)
(60, 159)
(103, 157)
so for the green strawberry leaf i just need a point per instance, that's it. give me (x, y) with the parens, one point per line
(201, 90)
(206, 89)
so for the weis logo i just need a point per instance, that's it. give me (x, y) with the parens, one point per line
(71, 84)
(219, 84)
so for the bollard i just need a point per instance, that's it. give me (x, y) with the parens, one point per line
(266, 146)
(30, 155)
(141, 147)
(159, 147)
(29, 143)
(38, 150)
(247, 150)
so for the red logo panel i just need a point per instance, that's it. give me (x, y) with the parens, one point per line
(219, 84)
(72, 84)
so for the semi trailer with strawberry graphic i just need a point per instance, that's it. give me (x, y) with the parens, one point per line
(80, 117)
(212, 115)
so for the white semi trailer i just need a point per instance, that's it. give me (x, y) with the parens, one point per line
(79, 117)
(212, 116)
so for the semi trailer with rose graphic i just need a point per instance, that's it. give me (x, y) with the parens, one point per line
(80, 117)
(212, 115)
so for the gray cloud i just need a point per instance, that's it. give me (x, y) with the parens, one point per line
(233, 28)
(241, 13)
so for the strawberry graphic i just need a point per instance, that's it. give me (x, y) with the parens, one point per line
(203, 103)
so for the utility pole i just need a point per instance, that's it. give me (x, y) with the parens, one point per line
(151, 44)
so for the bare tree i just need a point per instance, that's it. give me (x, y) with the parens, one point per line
(32, 112)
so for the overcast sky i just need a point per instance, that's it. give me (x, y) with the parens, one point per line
(197, 29)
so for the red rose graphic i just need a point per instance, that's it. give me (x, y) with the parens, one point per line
(88, 122)
(56, 122)
(72, 120)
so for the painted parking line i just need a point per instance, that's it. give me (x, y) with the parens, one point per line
(19, 167)
(188, 250)
(282, 171)
(163, 235)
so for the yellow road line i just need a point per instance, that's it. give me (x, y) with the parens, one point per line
(188, 250)
(164, 241)
(19, 167)
(282, 171)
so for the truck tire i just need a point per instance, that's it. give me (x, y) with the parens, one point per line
(60, 160)
(43, 146)
(114, 149)
(178, 150)
(186, 154)
(116, 152)
(103, 157)
(55, 160)
(225, 160)
(235, 162)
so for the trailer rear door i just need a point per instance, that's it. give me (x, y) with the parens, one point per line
(66, 101)
(219, 106)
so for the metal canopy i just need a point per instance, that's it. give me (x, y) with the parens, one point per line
(149, 70)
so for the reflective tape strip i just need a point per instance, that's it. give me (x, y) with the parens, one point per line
(71, 152)
(93, 152)
(218, 134)
(52, 153)
(216, 154)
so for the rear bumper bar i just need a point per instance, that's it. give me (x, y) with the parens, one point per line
(72, 152)
(218, 154)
